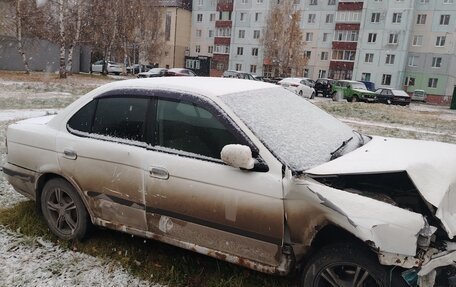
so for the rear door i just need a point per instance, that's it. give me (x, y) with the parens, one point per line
(193, 197)
(102, 154)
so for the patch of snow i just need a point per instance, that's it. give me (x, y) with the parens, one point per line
(30, 261)
(9, 115)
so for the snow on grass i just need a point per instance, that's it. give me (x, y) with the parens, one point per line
(31, 261)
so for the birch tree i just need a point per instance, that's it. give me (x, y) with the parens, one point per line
(283, 40)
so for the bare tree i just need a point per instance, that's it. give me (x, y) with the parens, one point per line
(283, 40)
(80, 15)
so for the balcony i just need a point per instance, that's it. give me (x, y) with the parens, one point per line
(338, 45)
(350, 6)
(347, 26)
(341, 65)
(220, 58)
(224, 5)
(222, 41)
(223, 24)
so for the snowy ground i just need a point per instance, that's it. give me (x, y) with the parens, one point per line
(32, 261)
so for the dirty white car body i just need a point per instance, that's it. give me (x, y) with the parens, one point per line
(267, 204)
(299, 86)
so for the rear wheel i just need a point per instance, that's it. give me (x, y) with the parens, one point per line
(346, 264)
(354, 99)
(300, 93)
(313, 95)
(63, 210)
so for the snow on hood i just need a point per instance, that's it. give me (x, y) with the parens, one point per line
(430, 165)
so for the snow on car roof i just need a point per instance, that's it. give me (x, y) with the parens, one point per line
(207, 86)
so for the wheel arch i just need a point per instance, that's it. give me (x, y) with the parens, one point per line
(47, 176)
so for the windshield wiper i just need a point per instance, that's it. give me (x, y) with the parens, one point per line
(335, 153)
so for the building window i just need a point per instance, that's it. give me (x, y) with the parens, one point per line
(199, 18)
(412, 61)
(390, 59)
(240, 50)
(238, 67)
(436, 62)
(241, 34)
(253, 69)
(369, 58)
(311, 18)
(211, 33)
(409, 81)
(326, 37)
(329, 18)
(397, 17)
(366, 77)
(197, 48)
(307, 54)
(372, 38)
(324, 56)
(198, 33)
(257, 16)
(447, 1)
(220, 66)
(343, 55)
(254, 51)
(212, 17)
(244, 1)
(444, 19)
(313, 2)
(432, 83)
(331, 2)
(440, 41)
(256, 34)
(375, 17)
(393, 38)
(417, 40)
(305, 73)
(210, 49)
(346, 36)
(309, 36)
(424, 1)
(386, 79)
(322, 73)
(259, 1)
(421, 19)
(242, 17)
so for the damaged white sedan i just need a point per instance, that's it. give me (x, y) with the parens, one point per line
(246, 172)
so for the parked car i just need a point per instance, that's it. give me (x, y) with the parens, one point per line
(180, 72)
(243, 171)
(392, 96)
(298, 86)
(238, 75)
(323, 87)
(419, 95)
(138, 68)
(111, 67)
(370, 86)
(353, 91)
(152, 73)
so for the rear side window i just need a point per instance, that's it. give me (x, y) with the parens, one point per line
(122, 118)
(82, 120)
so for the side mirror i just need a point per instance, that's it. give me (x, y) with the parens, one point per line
(239, 156)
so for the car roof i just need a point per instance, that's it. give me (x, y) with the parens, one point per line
(207, 86)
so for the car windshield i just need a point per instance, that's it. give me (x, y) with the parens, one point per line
(400, 93)
(297, 132)
(360, 86)
(419, 93)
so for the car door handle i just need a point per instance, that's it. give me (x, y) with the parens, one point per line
(70, 154)
(159, 172)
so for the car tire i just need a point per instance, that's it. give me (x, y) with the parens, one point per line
(354, 99)
(300, 93)
(63, 210)
(312, 96)
(388, 101)
(352, 264)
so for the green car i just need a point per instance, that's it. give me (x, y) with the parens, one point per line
(352, 91)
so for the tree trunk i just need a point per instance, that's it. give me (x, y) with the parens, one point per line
(20, 44)
(76, 37)
(62, 58)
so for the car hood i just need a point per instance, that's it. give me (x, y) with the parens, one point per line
(430, 165)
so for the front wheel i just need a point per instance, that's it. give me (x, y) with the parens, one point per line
(63, 210)
(345, 264)
(312, 96)
(300, 93)
(354, 99)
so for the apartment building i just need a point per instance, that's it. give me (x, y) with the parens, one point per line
(407, 44)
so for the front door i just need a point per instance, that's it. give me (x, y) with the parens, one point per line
(193, 197)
